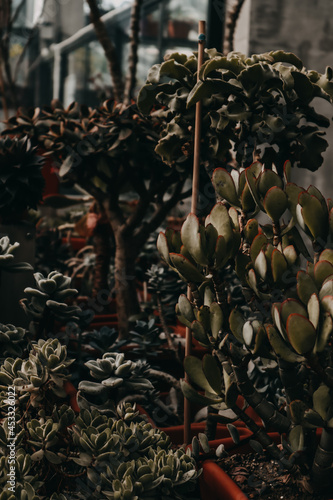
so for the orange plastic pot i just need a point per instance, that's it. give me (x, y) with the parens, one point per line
(176, 434)
(215, 484)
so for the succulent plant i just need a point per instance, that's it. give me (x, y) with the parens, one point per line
(81, 452)
(49, 296)
(258, 103)
(164, 286)
(7, 254)
(45, 371)
(21, 178)
(12, 340)
(109, 151)
(261, 295)
(117, 378)
(147, 337)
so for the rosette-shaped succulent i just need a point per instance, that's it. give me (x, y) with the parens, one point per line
(22, 182)
(52, 355)
(7, 251)
(43, 435)
(116, 377)
(26, 483)
(49, 296)
(12, 340)
(46, 367)
(170, 472)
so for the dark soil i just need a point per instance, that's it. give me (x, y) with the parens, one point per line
(261, 477)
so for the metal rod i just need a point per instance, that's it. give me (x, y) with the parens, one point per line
(194, 204)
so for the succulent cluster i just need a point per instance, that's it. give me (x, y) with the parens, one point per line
(117, 378)
(249, 103)
(49, 296)
(83, 454)
(22, 182)
(44, 371)
(259, 266)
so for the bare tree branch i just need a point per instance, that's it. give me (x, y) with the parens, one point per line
(233, 16)
(28, 42)
(16, 13)
(109, 49)
(133, 54)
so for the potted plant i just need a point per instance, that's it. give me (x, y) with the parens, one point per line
(61, 452)
(261, 292)
(109, 151)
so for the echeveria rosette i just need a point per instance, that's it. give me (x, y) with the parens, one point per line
(26, 481)
(116, 378)
(7, 254)
(22, 182)
(12, 340)
(50, 294)
(46, 368)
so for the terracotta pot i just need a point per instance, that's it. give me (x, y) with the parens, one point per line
(76, 243)
(50, 177)
(215, 484)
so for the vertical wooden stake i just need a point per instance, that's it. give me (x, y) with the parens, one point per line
(195, 192)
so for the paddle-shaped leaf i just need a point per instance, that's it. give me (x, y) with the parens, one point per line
(301, 333)
(186, 269)
(275, 203)
(314, 310)
(212, 373)
(280, 347)
(216, 319)
(193, 367)
(322, 401)
(194, 239)
(225, 186)
(193, 396)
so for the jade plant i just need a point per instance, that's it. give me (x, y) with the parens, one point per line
(260, 265)
(72, 455)
(109, 153)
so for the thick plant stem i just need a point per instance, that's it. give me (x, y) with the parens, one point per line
(109, 49)
(133, 55)
(166, 331)
(262, 436)
(322, 464)
(263, 408)
(102, 248)
(233, 16)
(127, 300)
(290, 380)
(211, 423)
(164, 377)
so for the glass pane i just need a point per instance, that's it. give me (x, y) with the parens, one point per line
(183, 18)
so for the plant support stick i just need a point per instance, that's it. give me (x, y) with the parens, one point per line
(195, 189)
